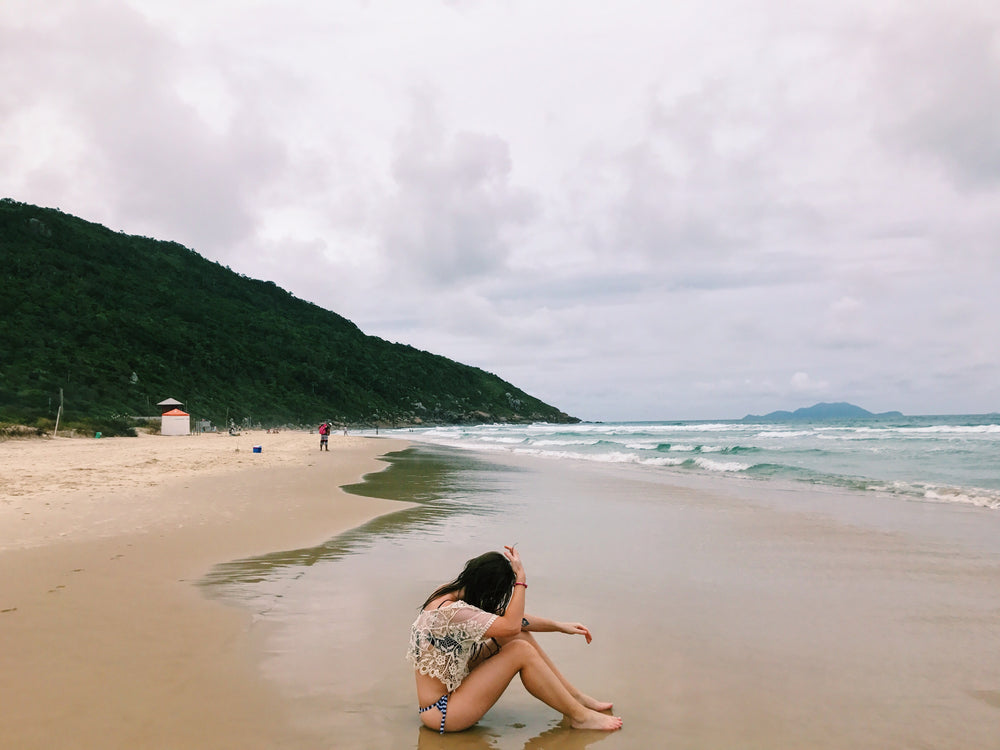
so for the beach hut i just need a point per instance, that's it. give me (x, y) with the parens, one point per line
(175, 422)
(169, 403)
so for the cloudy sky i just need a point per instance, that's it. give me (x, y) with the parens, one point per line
(632, 210)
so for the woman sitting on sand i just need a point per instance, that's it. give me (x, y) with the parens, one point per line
(472, 636)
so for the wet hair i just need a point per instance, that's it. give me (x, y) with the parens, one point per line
(488, 581)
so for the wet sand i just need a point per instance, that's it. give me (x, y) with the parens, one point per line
(725, 614)
(105, 641)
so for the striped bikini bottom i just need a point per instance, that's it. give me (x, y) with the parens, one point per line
(441, 704)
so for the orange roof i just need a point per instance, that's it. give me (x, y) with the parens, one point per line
(176, 413)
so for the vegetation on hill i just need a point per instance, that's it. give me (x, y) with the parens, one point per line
(120, 323)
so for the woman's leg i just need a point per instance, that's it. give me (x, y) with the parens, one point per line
(583, 698)
(485, 684)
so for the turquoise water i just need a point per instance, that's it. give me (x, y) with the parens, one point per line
(949, 459)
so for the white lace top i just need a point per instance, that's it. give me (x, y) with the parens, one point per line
(444, 640)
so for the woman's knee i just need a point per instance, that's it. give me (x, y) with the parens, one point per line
(522, 636)
(523, 649)
(524, 639)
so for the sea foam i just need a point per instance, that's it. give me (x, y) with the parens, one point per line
(935, 459)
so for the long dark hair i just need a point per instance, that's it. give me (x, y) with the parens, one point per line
(488, 581)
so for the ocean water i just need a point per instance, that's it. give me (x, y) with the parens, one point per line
(947, 459)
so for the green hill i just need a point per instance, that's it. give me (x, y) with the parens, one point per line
(122, 322)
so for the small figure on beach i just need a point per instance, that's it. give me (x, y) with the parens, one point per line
(472, 637)
(324, 436)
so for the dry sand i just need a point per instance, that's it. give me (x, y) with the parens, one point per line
(104, 641)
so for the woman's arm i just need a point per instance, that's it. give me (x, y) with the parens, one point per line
(536, 624)
(509, 624)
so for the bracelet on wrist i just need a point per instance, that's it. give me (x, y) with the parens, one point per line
(521, 583)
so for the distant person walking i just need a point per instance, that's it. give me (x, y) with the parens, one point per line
(324, 436)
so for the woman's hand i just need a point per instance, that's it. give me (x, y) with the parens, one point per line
(574, 628)
(515, 562)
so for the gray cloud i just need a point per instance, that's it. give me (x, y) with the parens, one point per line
(941, 73)
(454, 211)
(739, 210)
(143, 152)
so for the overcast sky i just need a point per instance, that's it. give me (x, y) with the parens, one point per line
(632, 210)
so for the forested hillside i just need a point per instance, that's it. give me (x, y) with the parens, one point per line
(122, 322)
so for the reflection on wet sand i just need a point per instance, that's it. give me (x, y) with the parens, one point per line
(430, 473)
(441, 483)
(564, 737)
(560, 737)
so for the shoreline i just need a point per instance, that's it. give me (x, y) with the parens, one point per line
(105, 639)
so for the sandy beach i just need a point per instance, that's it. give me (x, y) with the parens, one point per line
(178, 592)
(105, 641)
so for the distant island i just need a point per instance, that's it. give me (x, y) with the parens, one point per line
(821, 412)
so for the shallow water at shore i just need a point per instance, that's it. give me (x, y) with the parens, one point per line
(946, 459)
(722, 618)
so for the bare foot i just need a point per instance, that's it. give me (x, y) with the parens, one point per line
(594, 703)
(595, 720)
